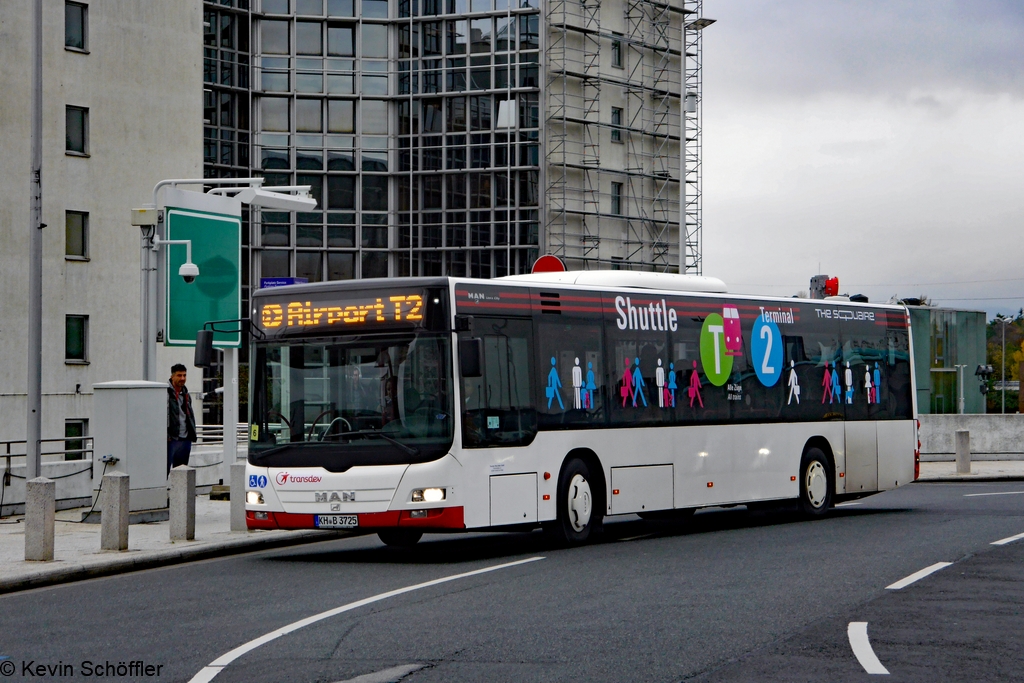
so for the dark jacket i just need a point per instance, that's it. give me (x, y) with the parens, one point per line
(172, 414)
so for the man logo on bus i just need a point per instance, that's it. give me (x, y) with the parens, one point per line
(715, 360)
(554, 384)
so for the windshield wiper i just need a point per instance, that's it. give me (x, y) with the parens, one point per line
(409, 450)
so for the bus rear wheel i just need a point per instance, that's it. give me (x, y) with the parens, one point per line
(399, 538)
(577, 516)
(816, 487)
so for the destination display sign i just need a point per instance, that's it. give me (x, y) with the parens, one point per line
(342, 310)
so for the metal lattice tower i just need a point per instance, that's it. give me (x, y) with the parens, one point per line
(692, 143)
(612, 204)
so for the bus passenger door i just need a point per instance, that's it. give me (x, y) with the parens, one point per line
(861, 457)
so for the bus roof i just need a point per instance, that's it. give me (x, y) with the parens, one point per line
(626, 278)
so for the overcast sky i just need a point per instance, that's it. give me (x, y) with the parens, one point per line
(883, 140)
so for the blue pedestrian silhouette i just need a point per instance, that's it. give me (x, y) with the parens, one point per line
(837, 390)
(672, 383)
(554, 384)
(590, 386)
(638, 383)
(878, 384)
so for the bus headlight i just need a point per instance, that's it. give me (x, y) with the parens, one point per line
(428, 495)
(254, 498)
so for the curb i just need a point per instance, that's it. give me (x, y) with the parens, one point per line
(72, 572)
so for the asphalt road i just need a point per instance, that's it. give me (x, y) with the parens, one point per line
(730, 595)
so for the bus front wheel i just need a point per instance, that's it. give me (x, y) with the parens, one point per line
(577, 515)
(816, 487)
(399, 538)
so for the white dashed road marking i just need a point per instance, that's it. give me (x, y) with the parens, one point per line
(213, 668)
(848, 504)
(857, 632)
(997, 493)
(1011, 539)
(395, 673)
(916, 576)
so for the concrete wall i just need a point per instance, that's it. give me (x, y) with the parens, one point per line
(142, 82)
(993, 437)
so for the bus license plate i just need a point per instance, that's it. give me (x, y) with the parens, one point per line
(337, 521)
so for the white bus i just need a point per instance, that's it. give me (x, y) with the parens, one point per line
(439, 404)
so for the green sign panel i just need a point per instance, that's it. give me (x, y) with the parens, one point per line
(216, 293)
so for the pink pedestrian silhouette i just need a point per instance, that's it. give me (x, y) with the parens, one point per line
(627, 383)
(695, 385)
(827, 383)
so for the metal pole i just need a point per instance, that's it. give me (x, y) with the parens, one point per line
(960, 381)
(230, 412)
(1003, 356)
(682, 153)
(35, 259)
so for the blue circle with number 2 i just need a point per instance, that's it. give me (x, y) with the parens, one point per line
(766, 349)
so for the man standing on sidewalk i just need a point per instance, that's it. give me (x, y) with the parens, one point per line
(181, 421)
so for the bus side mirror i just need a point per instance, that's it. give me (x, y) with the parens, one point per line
(204, 349)
(471, 353)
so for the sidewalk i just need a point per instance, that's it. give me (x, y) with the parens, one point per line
(982, 470)
(77, 553)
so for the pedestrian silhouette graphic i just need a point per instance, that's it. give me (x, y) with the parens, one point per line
(659, 380)
(577, 385)
(672, 384)
(869, 389)
(694, 390)
(638, 383)
(848, 377)
(794, 385)
(591, 386)
(627, 384)
(878, 383)
(554, 384)
(826, 382)
(837, 389)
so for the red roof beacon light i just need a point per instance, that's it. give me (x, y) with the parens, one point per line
(832, 286)
(548, 263)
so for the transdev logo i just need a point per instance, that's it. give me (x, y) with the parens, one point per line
(287, 478)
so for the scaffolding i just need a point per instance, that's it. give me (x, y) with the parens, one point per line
(610, 204)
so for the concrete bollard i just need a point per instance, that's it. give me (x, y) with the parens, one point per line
(114, 519)
(963, 451)
(238, 496)
(183, 503)
(40, 506)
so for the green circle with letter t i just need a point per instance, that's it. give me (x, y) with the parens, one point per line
(717, 364)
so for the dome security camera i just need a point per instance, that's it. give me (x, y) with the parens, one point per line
(188, 272)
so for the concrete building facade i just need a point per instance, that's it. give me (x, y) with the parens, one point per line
(122, 110)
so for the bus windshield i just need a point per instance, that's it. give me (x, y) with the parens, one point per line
(358, 401)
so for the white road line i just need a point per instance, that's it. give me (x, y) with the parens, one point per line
(997, 493)
(852, 502)
(1011, 539)
(857, 632)
(395, 673)
(903, 583)
(213, 668)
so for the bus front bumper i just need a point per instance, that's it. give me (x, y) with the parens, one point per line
(432, 518)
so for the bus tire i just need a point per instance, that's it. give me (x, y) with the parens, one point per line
(816, 485)
(577, 515)
(399, 538)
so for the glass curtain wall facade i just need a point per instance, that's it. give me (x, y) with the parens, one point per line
(416, 124)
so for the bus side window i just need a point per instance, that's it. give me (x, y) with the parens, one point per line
(497, 405)
(570, 371)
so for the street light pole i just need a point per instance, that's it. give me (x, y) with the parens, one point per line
(960, 381)
(33, 431)
(1002, 356)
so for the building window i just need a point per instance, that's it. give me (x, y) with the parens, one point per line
(76, 330)
(74, 442)
(76, 130)
(617, 199)
(75, 25)
(617, 53)
(76, 231)
(616, 121)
